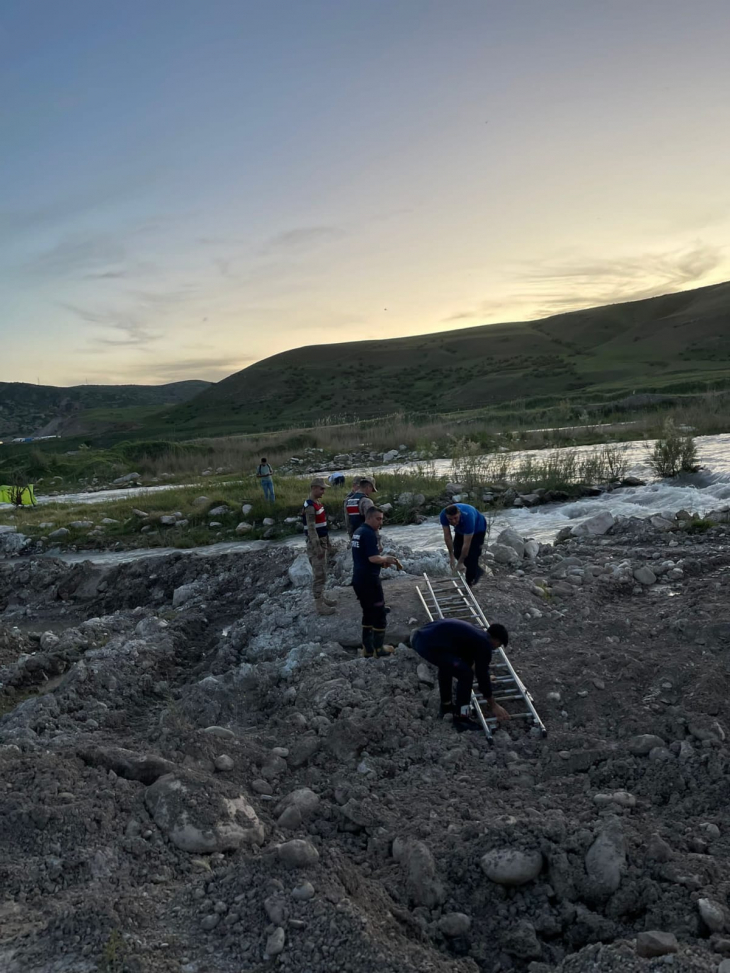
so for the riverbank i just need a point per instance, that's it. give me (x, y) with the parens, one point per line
(213, 777)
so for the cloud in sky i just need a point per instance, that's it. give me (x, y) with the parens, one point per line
(302, 239)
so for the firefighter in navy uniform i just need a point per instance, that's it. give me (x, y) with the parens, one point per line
(358, 502)
(367, 562)
(314, 517)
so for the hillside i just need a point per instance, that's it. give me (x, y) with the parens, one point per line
(674, 341)
(27, 410)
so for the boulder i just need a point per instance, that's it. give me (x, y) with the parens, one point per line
(605, 861)
(219, 511)
(424, 887)
(246, 509)
(532, 549)
(643, 743)
(426, 674)
(269, 522)
(390, 455)
(712, 914)
(655, 943)
(303, 799)
(454, 924)
(511, 867)
(297, 853)
(595, 526)
(244, 528)
(198, 820)
(13, 543)
(200, 501)
(300, 572)
(510, 538)
(128, 764)
(81, 524)
(127, 478)
(505, 555)
(59, 534)
(644, 575)
(186, 593)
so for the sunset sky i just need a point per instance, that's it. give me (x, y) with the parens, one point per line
(191, 186)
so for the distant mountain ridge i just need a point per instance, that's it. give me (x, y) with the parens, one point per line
(33, 410)
(653, 344)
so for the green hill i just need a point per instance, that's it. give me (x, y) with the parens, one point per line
(674, 342)
(34, 410)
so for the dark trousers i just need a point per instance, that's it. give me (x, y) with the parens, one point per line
(472, 558)
(372, 601)
(450, 667)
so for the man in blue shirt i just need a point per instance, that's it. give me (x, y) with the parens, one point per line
(470, 529)
(263, 472)
(462, 652)
(366, 564)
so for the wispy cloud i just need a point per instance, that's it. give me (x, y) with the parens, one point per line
(127, 330)
(303, 238)
(78, 253)
(570, 284)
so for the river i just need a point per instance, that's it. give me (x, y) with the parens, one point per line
(698, 492)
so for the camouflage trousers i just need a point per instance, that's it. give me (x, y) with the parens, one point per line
(318, 559)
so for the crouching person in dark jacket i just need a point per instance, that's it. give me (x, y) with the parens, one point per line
(462, 652)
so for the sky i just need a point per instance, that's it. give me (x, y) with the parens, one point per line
(188, 187)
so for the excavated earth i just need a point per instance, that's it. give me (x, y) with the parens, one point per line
(199, 775)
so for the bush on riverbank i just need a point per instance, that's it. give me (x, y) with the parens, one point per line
(674, 453)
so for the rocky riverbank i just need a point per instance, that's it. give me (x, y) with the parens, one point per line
(199, 774)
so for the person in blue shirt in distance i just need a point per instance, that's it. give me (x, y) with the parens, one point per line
(465, 548)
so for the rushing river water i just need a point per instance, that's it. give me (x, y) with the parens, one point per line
(699, 492)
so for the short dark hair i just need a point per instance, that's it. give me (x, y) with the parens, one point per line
(499, 633)
(372, 510)
(452, 510)
(263, 459)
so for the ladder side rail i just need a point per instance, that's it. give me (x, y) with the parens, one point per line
(523, 691)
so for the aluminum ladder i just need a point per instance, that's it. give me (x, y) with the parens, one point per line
(453, 598)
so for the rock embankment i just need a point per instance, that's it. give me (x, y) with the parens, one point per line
(199, 773)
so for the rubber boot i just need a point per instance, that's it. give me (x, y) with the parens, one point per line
(322, 607)
(381, 650)
(463, 720)
(368, 650)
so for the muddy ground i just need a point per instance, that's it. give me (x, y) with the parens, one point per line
(199, 775)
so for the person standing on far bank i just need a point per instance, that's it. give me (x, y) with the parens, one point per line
(263, 472)
(470, 530)
(367, 562)
(314, 517)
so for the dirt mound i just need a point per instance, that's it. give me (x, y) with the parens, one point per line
(215, 779)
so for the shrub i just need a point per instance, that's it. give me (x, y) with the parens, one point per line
(673, 453)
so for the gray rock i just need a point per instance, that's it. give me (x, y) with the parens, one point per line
(219, 511)
(244, 528)
(127, 478)
(644, 575)
(532, 549)
(426, 674)
(303, 892)
(186, 593)
(300, 572)
(81, 524)
(511, 867)
(219, 731)
(640, 745)
(454, 924)
(655, 943)
(606, 860)
(712, 914)
(199, 821)
(658, 849)
(297, 853)
(595, 526)
(424, 887)
(505, 555)
(522, 941)
(303, 799)
(200, 501)
(223, 763)
(13, 543)
(210, 922)
(246, 509)
(276, 942)
(59, 533)
(290, 819)
(510, 538)
(268, 522)
(168, 520)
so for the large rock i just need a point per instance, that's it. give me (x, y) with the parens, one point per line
(127, 478)
(505, 555)
(200, 821)
(303, 799)
(297, 853)
(510, 538)
(186, 593)
(13, 543)
(532, 549)
(655, 943)
(644, 743)
(59, 534)
(424, 887)
(300, 572)
(510, 866)
(605, 861)
(595, 526)
(144, 767)
(713, 915)
(644, 575)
